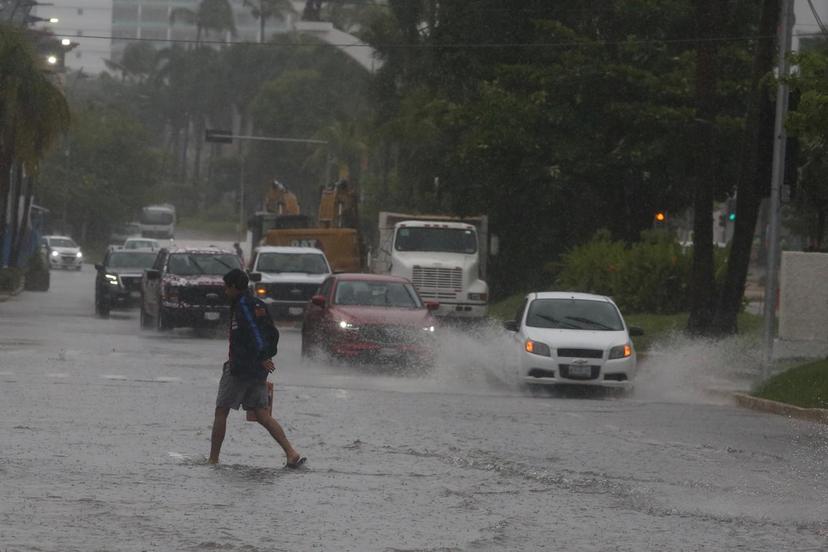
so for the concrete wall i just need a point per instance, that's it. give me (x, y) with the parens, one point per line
(803, 301)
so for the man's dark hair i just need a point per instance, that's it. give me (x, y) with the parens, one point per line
(237, 278)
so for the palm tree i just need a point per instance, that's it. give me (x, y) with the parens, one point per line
(33, 115)
(211, 15)
(266, 9)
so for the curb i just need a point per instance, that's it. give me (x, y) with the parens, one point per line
(819, 415)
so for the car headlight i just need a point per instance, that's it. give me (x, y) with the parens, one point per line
(261, 291)
(537, 348)
(621, 351)
(55, 253)
(112, 279)
(429, 329)
(78, 254)
(345, 325)
(478, 296)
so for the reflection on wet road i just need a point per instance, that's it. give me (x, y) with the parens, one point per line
(106, 429)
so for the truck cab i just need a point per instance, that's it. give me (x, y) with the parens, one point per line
(442, 260)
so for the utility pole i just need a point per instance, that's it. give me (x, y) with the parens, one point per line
(227, 137)
(778, 175)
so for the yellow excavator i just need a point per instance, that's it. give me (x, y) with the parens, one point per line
(336, 232)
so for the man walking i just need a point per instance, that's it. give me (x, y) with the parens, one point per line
(253, 341)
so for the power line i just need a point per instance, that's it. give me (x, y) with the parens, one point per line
(459, 46)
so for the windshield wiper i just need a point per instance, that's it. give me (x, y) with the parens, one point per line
(193, 260)
(225, 264)
(588, 321)
(558, 323)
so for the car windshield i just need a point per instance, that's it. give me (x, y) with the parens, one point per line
(152, 216)
(377, 294)
(62, 242)
(192, 264)
(310, 263)
(574, 314)
(446, 240)
(140, 244)
(135, 259)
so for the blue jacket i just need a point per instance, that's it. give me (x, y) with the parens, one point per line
(253, 337)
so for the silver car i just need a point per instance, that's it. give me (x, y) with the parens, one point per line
(63, 252)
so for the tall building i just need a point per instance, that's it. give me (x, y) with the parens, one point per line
(88, 23)
(151, 20)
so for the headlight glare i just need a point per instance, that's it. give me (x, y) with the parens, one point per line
(345, 325)
(621, 351)
(537, 348)
(429, 329)
(112, 279)
(78, 254)
(55, 253)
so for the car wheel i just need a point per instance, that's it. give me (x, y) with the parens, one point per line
(102, 307)
(162, 323)
(146, 320)
(307, 347)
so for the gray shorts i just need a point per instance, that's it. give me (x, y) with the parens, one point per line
(234, 392)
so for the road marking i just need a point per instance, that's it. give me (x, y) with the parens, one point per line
(114, 377)
(6, 373)
(167, 378)
(57, 375)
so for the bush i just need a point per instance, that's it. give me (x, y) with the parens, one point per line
(652, 275)
(10, 279)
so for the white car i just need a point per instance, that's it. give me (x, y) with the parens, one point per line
(568, 338)
(63, 252)
(290, 276)
(142, 243)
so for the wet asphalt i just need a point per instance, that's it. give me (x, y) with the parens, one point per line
(105, 432)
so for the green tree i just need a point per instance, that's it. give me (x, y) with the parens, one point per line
(110, 171)
(33, 115)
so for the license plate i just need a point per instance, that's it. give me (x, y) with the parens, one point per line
(295, 311)
(579, 371)
(211, 316)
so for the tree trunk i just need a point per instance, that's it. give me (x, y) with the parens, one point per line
(27, 191)
(5, 189)
(14, 212)
(754, 174)
(702, 284)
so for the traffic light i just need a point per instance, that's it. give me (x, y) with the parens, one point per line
(730, 209)
(660, 219)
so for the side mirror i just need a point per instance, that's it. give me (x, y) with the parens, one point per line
(494, 246)
(255, 277)
(432, 305)
(635, 331)
(153, 274)
(511, 325)
(318, 300)
(98, 267)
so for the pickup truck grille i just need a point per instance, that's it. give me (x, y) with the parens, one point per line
(131, 283)
(291, 292)
(438, 283)
(203, 295)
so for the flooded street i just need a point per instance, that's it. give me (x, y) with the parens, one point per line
(106, 430)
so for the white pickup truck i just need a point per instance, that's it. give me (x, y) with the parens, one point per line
(444, 257)
(290, 277)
